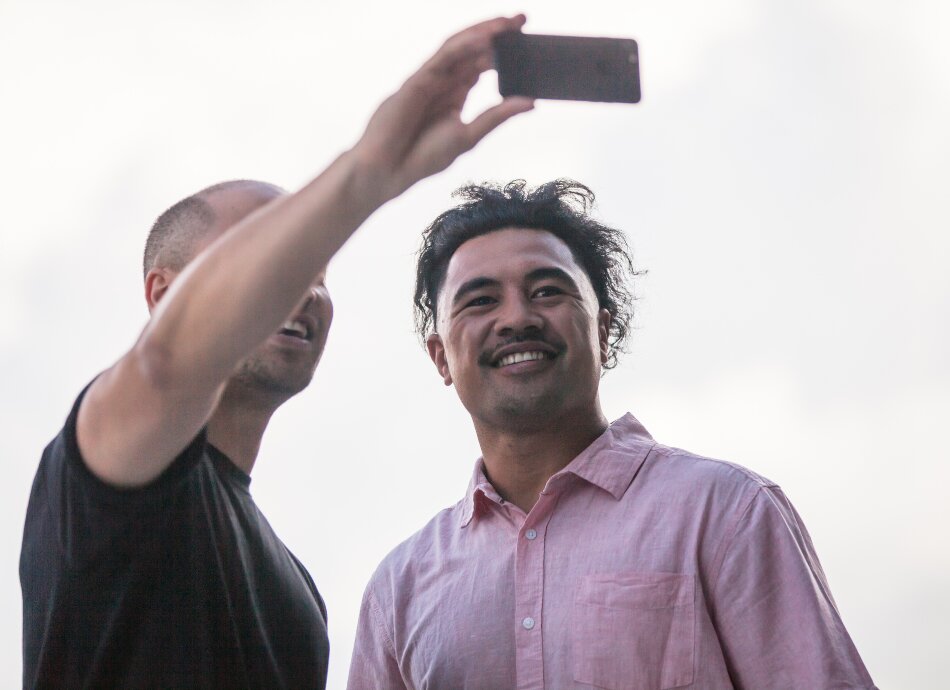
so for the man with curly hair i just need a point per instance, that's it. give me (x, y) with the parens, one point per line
(584, 554)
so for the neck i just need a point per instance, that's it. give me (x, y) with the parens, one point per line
(520, 460)
(237, 425)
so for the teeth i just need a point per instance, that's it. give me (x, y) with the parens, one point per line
(295, 327)
(520, 357)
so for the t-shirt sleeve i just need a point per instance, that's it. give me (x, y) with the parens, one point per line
(373, 665)
(84, 516)
(777, 622)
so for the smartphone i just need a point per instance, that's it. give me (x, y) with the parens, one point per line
(573, 68)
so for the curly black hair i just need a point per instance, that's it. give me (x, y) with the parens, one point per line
(560, 207)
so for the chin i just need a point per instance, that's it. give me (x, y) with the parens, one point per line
(279, 385)
(525, 412)
(289, 385)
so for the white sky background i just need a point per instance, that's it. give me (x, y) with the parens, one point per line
(783, 181)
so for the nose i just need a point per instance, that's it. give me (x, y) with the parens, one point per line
(517, 315)
(313, 292)
(312, 295)
(309, 297)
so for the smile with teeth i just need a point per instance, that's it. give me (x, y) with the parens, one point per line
(517, 357)
(295, 329)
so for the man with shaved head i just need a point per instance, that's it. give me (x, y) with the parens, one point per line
(145, 562)
(188, 228)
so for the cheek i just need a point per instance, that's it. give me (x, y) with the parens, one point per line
(326, 311)
(454, 351)
(462, 347)
(587, 330)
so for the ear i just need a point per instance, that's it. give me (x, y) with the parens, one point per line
(603, 334)
(157, 282)
(436, 350)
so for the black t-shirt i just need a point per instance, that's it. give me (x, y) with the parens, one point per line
(180, 584)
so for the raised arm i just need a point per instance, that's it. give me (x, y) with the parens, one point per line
(143, 411)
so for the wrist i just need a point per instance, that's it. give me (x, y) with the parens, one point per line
(369, 183)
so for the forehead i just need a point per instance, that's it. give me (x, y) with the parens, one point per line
(510, 254)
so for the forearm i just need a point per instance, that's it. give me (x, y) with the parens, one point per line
(239, 292)
(140, 414)
(244, 286)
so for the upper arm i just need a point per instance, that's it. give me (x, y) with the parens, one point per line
(776, 619)
(373, 665)
(133, 421)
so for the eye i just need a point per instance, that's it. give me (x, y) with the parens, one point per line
(548, 291)
(480, 301)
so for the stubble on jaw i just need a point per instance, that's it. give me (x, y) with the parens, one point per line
(526, 410)
(259, 375)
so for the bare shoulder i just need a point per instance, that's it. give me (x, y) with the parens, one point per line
(129, 429)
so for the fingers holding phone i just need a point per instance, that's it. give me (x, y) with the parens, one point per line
(418, 131)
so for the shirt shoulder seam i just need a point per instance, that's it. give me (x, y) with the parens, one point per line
(732, 530)
(378, 620)
(758, 480)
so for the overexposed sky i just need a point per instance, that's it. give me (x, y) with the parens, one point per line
(783, 181)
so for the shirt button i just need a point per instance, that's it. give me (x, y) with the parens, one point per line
(530, 534)
(528, 623)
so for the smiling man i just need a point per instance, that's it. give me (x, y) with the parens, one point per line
(145, 561)
(584, 554)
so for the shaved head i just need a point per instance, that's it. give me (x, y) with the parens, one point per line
(179, 232)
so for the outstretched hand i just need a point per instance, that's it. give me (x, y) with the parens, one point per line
(418, 131)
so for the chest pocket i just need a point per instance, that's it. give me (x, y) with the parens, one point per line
(634, 631)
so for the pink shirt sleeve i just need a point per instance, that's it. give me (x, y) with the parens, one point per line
(775, 617)
(373, 665)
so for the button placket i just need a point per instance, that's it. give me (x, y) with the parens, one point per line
(529, 588)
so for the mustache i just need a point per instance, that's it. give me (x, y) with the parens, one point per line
(487, 356)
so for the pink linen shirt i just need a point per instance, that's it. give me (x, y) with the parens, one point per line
(640, 567)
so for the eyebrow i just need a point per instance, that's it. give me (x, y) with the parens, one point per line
(551, 273)
(538, 274)
(471, 286)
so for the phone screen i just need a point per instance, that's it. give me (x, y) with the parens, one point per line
(572, 68)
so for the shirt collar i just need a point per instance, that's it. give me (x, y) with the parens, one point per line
(611, 462)
(480, 492)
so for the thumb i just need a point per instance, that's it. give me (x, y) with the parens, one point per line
(494, 116)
